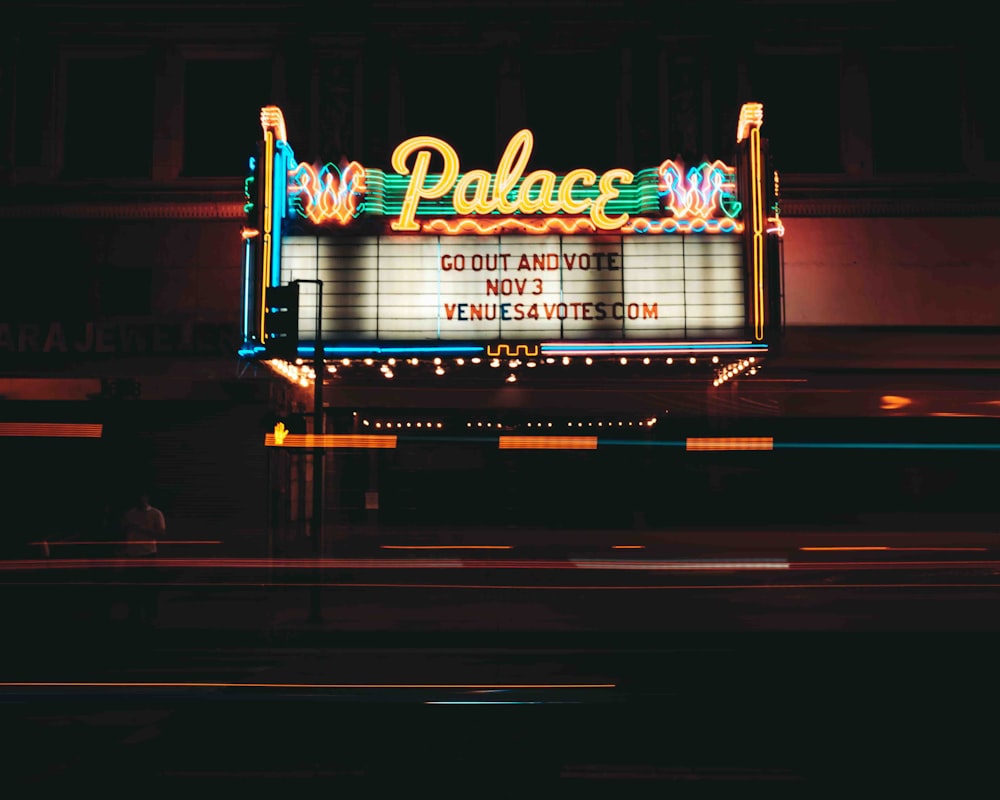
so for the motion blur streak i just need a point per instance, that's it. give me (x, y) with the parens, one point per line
(548, 443)
(111, 541)
(56, 429)
(446, 547)
(213, 685)
(731, 443)
(711, 564)
(900, 549)
(829, 565)
(521, 586)
(390, 563)
(842, 548)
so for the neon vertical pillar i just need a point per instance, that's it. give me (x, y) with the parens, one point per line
(748, 129)
(272, 122)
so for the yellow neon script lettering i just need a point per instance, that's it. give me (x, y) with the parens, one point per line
(480, 202)
(509, 171)
(585, 176)
(416, 190)
(475, 193)
(543, 200)
(608, 192)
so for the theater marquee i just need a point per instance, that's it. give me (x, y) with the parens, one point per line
(429, 258)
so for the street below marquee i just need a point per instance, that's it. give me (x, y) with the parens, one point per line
(621, 655)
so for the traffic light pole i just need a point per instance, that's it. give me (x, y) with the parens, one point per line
(319, 367)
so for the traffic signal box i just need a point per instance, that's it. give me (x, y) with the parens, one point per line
(281, 321)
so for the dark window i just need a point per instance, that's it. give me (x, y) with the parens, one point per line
(726, 107)
(574, 115)
(222, 102)
(684, 98)
(990, 123)
(985, 128)
(125, 292)
(916, 112)
(63, 296)
(452, 98)
(57, 286)
(801, 97)
(34, 92)
(109, 118)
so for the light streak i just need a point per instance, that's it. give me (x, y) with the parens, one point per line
(898, 549)
(249, 685)
(515, 586)
(446, 547)
(131, 541)
(335, 440)
(65, 430)
(730, 443)
(548, 442)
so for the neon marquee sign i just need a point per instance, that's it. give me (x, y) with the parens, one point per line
(617, 280)
(667, 199)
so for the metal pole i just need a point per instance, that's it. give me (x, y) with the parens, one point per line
(318, 423)
(316, 597)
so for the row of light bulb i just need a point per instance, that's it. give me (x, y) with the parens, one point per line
(497, 362)
(379, 424)
(730, 371)
(648, 423)
(302, 372)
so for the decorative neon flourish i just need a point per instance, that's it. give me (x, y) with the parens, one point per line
(489, 226)
(271, 119)
(327, 193)
(705, 189)
(570, 225)
(249, 205)
(672, 225)
(751, 118)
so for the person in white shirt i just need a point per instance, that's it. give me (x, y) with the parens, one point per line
(144, 525)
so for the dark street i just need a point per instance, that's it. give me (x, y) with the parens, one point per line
(700, 668)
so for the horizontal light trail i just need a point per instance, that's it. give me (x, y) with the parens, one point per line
(64, 430)
(548, 442)
(512, 586)
(730, 443)
(893, 564)
(496, 702)
(66, 542)
(446, 547)
(476, 563)
(394, 563)
(336, 440)
(897, 549)
(720, 444)
(693, 564)
(842, 548)
(628, 546)
(226, 685)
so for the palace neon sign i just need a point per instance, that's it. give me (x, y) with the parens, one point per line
(505, 192)
(667, 199)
